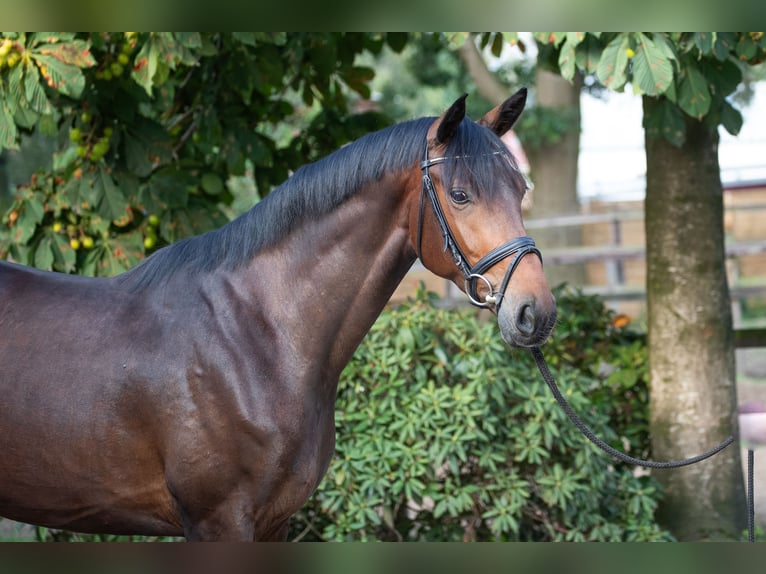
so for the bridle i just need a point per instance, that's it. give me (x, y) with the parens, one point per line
(517, 248)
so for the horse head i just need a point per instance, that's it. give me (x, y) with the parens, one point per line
(473, 232)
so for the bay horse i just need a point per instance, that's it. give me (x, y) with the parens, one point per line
(193, 395)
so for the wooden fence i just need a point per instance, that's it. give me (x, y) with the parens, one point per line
(614, 254)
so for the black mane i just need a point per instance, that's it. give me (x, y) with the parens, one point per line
(318, 188)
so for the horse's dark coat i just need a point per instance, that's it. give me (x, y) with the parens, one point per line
(194, 394)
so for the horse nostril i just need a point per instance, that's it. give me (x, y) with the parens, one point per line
(525, 319)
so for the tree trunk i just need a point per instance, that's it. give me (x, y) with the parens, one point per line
(693, 399)
(554, 172)
(491, 89)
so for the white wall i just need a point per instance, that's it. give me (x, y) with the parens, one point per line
(612, 165)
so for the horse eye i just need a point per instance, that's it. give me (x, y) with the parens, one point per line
(459, 196)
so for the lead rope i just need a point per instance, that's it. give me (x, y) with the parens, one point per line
(545, 372)
(542, 366)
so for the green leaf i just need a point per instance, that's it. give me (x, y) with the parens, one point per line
(169, 189)
(162, 52)
(44, 253)
(60, 76)
(189, 40)
(74, 52)
(731, 118)
(357, 78)
(276, 38)
(208, 49)
(25, 117)
(269, 68)
(64, 256)
(723, 77)
(244, 37)
(323, 58)
(112, 204)
(50, 38)
(664, 119)
(497, 45)
(724, 45)
(554, 38)
(405, 338)
(29, 217)
(454, 39)
(145, 65)
(746, 48)
(48, 125)
(588, 54)
(398, 40)
(567, 58)
(212, 183)
(693, 92)
(34, 91)
(115, 255)
(704, 42)
(7, 128)
(136, 155)
(671, 92)
(15, 87)
(63, 159)
(652, 66)
(88, 193)
(612, 69)
(109, 265)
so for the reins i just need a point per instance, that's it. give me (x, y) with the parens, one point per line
(518, 248)
(542, 366)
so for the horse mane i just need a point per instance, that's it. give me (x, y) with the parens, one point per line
(317, 188)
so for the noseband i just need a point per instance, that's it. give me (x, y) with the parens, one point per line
(517, 248)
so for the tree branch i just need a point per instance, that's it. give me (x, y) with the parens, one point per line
(487, 83)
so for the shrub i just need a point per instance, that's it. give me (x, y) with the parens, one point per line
(445, 433)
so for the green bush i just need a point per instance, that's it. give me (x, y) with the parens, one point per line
(444, 433)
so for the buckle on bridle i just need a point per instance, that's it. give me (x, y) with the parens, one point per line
(491, 298)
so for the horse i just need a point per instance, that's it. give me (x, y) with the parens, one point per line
(193, 395)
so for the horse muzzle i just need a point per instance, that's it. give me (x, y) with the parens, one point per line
(526, 321)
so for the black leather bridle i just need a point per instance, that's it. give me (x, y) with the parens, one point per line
(517, 248)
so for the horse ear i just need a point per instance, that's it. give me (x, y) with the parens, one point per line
(501, 118)
(450, 120)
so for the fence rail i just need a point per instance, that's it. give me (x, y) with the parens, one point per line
(750, 338)
(615, 253)
(589, 253)
(613, 216)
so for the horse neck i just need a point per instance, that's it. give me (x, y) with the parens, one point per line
(332, 276)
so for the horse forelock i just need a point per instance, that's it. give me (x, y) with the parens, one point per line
(478, 157)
